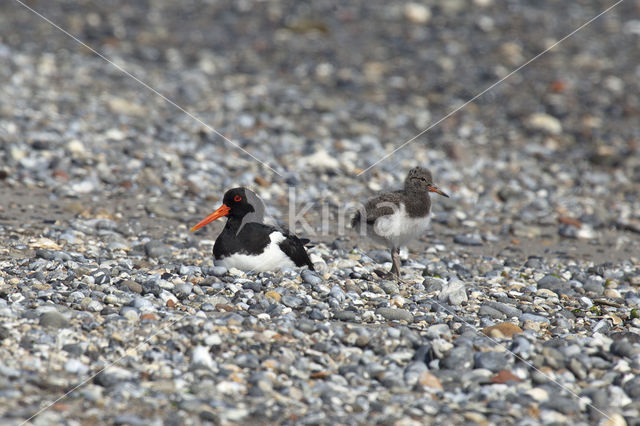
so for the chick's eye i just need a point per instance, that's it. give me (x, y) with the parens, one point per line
(237, 198)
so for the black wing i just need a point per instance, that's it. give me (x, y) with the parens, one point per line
(293, 247)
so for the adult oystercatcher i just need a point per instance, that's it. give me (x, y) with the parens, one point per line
(395, 218)
(247, 243)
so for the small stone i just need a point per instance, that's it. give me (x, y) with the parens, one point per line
(453, 292)
(390, 287)
(183, 290)
(292, 301)
(502, 330)
(380, 256)
(133, 286)
(94, 306)
(392, 314)
(428, 380)
(459, 358)
(468, 240)
(545, 123)
(53, 319)
(538, 394)
(130, 313)
(310, 277)
(504, 376)
(217, 271)
(490, 312)
(101, 276)
(492, 361)
(74, 366)
(417, 13)
(157, 249)
(533, 317)
(345, 316)
(273, 295)
(141, 303)
(337, 293)
(438, 330)
(200, 357)
(615, 419)
(561, 404)
(413, 371)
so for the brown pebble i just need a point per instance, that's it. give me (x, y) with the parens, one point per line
(503, 329)
(429, 380)
(504, 376)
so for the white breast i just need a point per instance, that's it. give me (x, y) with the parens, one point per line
(271, 258)
(397, 229)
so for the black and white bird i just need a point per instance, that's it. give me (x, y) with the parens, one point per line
(395, 218)
(246, 243)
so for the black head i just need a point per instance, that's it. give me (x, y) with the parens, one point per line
(238, 202)
(419, 179)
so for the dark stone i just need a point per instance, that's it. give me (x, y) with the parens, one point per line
(458, 358)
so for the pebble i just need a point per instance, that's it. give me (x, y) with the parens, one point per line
(459, 358)
(157, 249)
(292, 301)
(201, 358)
(392, 314)
(310, 277)
(453, 292)
(417, 13)
(53, 319)
(544, 122)
(132, 285)
(486, 310)
(533, 318)
(468, 240)
(493, 361)
(74, 366)
(502, 330)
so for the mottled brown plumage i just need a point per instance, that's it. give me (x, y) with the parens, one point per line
(394, 218)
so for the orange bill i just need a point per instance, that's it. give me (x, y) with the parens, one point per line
(223, 210)
(437, 190)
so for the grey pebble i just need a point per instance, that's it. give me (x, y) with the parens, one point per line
(53, 319)
(390, 287)
(395, 314)
(157, 249)
(486, 310)
(493, 361)
(141, 303)
(344, 316)
(468, 240)
(534, 318)
(310, 277)
(183, 290)
(292, 301)
(459, 358)
(453, 292)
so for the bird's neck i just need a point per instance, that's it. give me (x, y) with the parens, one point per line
(233, 223)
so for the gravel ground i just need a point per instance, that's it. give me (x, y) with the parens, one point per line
(519, 306)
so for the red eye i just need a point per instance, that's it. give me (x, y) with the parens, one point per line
(237, 198)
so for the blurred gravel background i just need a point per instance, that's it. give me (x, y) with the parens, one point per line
(538, 247)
